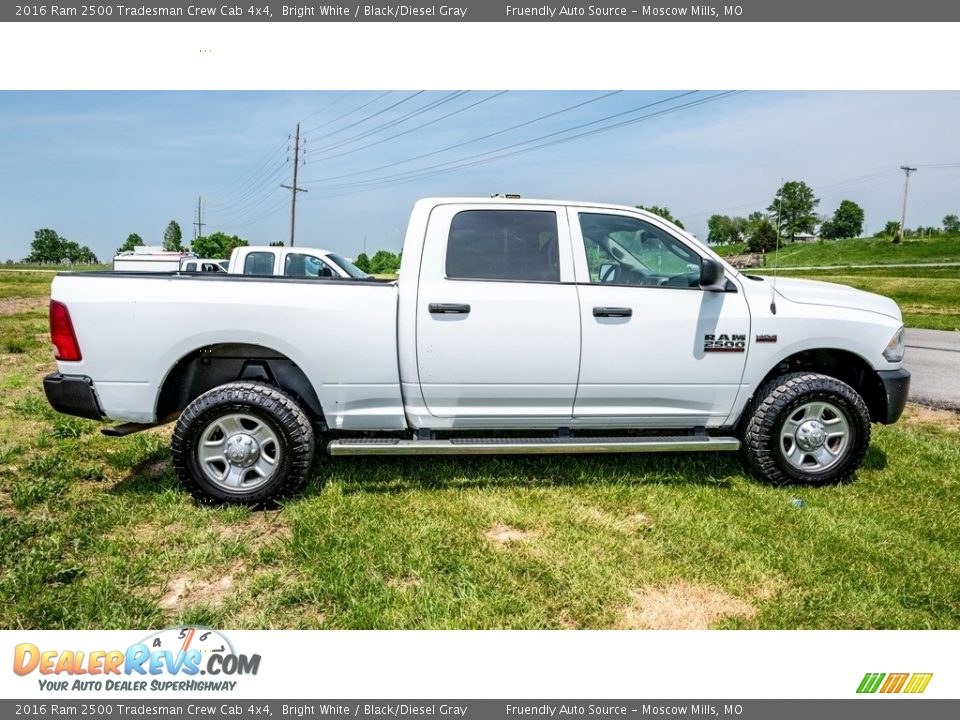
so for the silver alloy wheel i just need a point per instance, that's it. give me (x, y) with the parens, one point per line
(815, 436)
(239, 452)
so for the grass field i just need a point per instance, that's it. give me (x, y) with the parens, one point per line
(864, 251)
(97, 534)
(928, 296)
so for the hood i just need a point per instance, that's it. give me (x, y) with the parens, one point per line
(814, 292)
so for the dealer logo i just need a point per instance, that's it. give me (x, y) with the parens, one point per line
(170, 659)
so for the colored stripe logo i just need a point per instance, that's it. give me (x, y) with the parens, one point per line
(913, 683)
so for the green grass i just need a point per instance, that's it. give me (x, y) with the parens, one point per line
(864, 251)
(928, 297)
(97, 534)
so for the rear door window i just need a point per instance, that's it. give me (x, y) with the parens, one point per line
(513, 245)
(259, 263)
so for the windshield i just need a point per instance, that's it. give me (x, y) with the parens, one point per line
(348, 267)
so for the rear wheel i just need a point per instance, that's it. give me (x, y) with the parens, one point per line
(244, 443)
(806, 428)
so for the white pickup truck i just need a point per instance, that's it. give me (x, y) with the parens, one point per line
(300, 262)
(517, 326)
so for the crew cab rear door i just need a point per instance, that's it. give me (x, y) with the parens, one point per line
(498, 323)
(657, 350)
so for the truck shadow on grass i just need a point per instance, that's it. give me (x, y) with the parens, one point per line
(393, 475)
(402, 474)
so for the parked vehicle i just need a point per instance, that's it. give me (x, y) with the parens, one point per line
(211, 265)
(155, 259)
(292, 262)
(517, 326)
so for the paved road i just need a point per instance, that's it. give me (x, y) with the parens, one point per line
(933, 357)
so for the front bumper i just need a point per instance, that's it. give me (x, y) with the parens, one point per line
(72, 395)
(896, 385)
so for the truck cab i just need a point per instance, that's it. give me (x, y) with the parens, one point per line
(299, 262)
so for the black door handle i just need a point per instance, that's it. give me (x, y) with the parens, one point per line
(449, 308)
(613, 312)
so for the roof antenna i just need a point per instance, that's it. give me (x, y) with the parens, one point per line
(776, 259)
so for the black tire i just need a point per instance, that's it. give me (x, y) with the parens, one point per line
(290, 443)
(782, 400)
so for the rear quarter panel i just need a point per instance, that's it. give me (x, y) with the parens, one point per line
(132, 331)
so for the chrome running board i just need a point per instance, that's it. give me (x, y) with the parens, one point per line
(532, 446)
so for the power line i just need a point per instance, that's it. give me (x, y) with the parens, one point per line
(267, 213)
(419, 127)
(475, 159)
(266, 182)
(271, 155)
(329, 105)
(412, 176)
(348, 113)
(397, 121)
(471, 141)
(378, 113)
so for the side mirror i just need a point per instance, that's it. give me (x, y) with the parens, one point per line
(608, 273)
(712, 276)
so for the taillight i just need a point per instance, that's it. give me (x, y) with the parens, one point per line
(65, 345)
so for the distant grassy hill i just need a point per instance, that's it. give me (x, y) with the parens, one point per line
(863, 251)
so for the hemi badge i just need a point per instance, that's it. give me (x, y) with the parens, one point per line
(766, 338)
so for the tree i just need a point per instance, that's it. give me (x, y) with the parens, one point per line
(663, 212)
(794, 204)
(951, 223)
(277, 243)
(724, 229)
(847, 222)
(173, 237)
(749, 224)
(49, 247)
(763, 238)
(133, 240)
(384, 262)
(217, 245)
(891, 229)
(362, 262)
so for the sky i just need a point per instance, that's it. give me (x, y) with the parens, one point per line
(97, 166)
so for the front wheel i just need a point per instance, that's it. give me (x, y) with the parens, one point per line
(806, 428)
(243, 443)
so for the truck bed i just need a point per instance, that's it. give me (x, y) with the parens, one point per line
(134, 327)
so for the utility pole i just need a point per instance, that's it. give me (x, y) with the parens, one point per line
(293, 188)
(906, 185)
(199, 223)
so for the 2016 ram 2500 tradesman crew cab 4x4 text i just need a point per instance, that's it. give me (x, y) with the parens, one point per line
(576, 327)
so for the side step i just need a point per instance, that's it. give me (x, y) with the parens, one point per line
(532, 446)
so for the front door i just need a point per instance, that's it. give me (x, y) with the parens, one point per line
(657, 350)
(498, 321)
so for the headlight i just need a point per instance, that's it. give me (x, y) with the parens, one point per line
(894, 350)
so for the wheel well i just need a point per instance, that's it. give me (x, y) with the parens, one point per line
(842, 365)
(207, 367)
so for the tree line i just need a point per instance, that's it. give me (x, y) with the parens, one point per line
(794, 205)
(793, 212)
